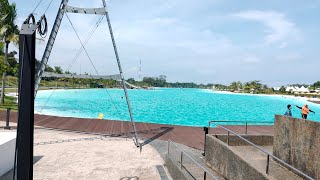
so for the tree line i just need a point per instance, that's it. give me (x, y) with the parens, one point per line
(256, 86)
(161, 82)
(9, 33)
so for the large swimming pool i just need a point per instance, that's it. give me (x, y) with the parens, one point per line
(191, 107)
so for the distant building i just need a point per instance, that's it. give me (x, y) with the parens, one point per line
(276, 88)
(296, 89)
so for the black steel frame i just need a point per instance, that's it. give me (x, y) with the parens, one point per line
(25, 130)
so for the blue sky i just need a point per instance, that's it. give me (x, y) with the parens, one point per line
(206, 41)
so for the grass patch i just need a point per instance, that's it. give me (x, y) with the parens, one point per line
(9, 102)
(10, 90)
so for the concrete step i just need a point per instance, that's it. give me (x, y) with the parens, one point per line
(189, 165)
(258, 160)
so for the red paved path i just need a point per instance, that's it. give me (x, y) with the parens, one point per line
(191, 136)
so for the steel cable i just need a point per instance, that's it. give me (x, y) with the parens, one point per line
(48, 7)
(85, 43)
(87, 39)
(36, 6)
(83, 47)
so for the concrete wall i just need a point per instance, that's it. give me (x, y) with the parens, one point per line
(223, 160)
(297, 142)
(260, 140)
(7, 144)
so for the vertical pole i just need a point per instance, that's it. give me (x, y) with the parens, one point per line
(205, 175)
(17, 87)
(228, 138)
(181, 157)
(24, 144)
(121, 74)
(8, 119)
(206, 131)
(267, 169)
(246, 127)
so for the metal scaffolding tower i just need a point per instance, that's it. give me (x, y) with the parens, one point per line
(65, 8)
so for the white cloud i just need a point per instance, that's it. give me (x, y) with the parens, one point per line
(279, 28)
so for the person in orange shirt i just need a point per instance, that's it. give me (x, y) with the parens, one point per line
(305, 111)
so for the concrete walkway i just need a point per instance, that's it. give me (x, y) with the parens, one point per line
(67, 155)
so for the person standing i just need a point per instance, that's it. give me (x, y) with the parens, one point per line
(305, 111)
(288, 112)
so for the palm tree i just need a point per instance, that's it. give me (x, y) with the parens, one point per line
(2, 65)
(233, 86)
(9, 32)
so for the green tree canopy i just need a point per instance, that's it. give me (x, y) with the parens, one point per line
(282, 89)
(9, 32)
(58, 70)
(235, 86)
(316, 84)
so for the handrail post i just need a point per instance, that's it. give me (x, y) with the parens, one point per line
(181, 157)
(228, 138)
(267, 169)
(8, 119)
(206, 131)
(246, 128)
(205, 175)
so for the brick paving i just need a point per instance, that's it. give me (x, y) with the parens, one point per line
(190, 136)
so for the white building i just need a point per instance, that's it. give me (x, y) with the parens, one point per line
(276, 88)
(296, 89)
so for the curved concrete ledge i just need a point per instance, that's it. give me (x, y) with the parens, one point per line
(7, 146)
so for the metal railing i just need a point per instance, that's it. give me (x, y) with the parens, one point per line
(266, 152)
(183, 155)
(242, 122)
(206, 129)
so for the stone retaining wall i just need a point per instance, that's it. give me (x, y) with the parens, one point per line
(297, 142)
(224, 161)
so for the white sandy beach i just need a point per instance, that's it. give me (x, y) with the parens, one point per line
(275, 95)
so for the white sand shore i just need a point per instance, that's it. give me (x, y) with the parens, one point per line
(275, 95)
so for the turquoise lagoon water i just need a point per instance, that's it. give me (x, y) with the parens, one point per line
(191, 107)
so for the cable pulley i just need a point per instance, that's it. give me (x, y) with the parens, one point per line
(42, 26)
(27, 21)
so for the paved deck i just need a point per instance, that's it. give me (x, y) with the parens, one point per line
(190, 136)
(316, 102)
